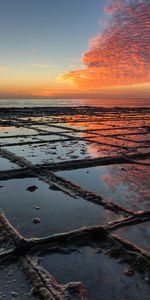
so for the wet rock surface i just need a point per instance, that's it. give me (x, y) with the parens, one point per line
(75, 183)
(13, 283)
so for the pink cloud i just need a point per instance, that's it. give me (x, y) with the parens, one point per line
(120, 55)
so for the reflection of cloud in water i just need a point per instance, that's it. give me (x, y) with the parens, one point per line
(126, 185)
(132, 181)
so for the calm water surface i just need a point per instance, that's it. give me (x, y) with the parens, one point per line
(72, 102)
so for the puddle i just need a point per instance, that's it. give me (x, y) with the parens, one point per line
(118, 130)
(103, 277)
(81, 134)
(57, 211)
(115, 141)
(88, 125)
(56, 152)
(5, 164)
(77, 125)
(144, 149)
(18, 140)
(104, 150)
(49, 128)
(50, 138)
(136, 137)
(138, 234)
(13, 283)
(13, 130)
(123, 184)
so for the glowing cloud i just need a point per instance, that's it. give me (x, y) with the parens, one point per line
(120, 55)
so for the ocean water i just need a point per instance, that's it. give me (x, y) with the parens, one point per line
(72, 103)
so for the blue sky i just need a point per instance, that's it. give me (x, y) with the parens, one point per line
(57, 29)
(42, 40)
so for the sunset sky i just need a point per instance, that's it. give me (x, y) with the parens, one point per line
(75, 49)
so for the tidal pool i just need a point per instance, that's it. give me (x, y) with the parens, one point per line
(103, 277)
(138, 234)
(49, 128)
(127, 185)
(13, 130)
(5, 164)
(19, 140)
(56, 152)
(57, 211)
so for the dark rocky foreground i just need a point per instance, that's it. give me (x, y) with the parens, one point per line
(74, 196)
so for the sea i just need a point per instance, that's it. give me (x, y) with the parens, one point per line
(72, 103)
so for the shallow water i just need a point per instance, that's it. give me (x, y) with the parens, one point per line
(5, 164)
(102, 276)
(55, 152)
(138, 234)
(13, 130)
(57, 211)
(117, 183)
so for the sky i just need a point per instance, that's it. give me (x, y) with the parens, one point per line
(75, 49)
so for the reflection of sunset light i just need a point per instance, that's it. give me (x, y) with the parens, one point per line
(133, 177)
(112, 133)
(4, 129)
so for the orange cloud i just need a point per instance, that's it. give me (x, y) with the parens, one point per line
(120, 55)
